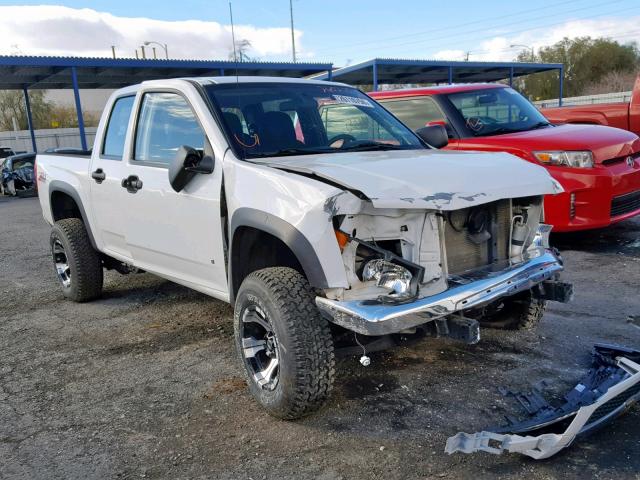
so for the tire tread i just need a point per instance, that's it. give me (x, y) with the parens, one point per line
(88, 278)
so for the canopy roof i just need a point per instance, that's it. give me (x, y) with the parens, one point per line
(398, 71)
(18, 72)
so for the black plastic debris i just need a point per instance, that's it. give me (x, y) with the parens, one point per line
(608, 389)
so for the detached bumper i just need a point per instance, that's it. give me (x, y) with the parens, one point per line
(474, 289)
(608, 390)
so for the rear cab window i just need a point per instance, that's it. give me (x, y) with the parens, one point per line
(116, 131)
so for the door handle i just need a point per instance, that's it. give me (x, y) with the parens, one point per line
(132, 183)
(98, 175)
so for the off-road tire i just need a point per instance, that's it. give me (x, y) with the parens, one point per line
(84, 261)
(519, 312)
(304, 342)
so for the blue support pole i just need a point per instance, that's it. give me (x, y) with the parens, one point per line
(450, 75)
(27, 104)
(330, 74)
(222, 72)
(375, 76)
(511, 77)
(76, 95)
(561, 93)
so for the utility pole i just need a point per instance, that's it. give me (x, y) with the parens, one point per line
(293, 37)
(144, 53)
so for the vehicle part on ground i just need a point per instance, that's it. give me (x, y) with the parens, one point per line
(608, 390)
(77, 265)
(284, 343)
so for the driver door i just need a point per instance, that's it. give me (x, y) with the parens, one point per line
(175, 234)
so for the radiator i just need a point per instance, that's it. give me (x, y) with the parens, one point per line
(464, 254)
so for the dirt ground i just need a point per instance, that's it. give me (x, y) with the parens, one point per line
(144, 382)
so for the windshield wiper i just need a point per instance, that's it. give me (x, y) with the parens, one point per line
(499, 131)
(371, 145)
(502, 130)
(290, 151)
(540, 125)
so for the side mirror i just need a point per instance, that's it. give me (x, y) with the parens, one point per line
(187, 163)
(434, 135)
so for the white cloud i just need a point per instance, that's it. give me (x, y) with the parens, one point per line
(498, 48)
(57, 30)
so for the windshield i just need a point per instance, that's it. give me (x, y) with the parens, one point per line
(277, 119)
(496, 111)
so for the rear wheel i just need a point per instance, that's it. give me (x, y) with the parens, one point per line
(283, 342)
(519, 312)
(77, 265)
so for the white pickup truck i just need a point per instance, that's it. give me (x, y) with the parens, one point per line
(311, 209)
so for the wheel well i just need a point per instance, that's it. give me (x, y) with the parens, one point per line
(64, 206)
(253, 249)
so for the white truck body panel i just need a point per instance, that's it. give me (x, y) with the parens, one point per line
(413, 179)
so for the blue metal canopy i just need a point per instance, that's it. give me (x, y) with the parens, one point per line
(18, 72)
(28, 72)
(400, 71)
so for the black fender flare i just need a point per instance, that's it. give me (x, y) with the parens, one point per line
(64, 187)
(284, 231)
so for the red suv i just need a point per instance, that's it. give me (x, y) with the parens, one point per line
(598, 167)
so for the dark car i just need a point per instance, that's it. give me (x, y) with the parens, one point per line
(17, 175)
(6, 152)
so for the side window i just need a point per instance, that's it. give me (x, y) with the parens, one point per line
(165, 123)
(116, 132)
(415, 112)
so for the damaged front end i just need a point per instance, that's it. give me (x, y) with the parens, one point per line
(609, 389)
(406, 267)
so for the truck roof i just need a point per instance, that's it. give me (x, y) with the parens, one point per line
(455, 88)
(249, 79)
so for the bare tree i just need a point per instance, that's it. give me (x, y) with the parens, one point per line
(612, 82)
(242, 47)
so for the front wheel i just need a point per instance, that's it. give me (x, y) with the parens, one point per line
(283, 342)
(519, 312)
(77, 265)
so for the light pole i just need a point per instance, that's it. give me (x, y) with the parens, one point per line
(161, 45)
(533, 53)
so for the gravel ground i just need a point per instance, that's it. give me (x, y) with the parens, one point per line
(144, 382)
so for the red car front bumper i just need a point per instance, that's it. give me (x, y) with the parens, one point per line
(601, 196)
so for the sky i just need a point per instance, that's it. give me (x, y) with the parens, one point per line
(343, 32)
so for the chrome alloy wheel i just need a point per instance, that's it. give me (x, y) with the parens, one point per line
(61, 263)
(260, 347)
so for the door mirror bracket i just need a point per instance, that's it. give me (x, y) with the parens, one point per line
(434, 135)
(187, 163)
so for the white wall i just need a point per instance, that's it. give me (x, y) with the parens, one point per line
(46, 138)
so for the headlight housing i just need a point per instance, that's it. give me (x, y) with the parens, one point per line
(388, 275)
(575, 159)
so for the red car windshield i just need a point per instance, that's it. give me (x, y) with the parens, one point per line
(496, 111)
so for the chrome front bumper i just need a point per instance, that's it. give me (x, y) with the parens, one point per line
(470, 290)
